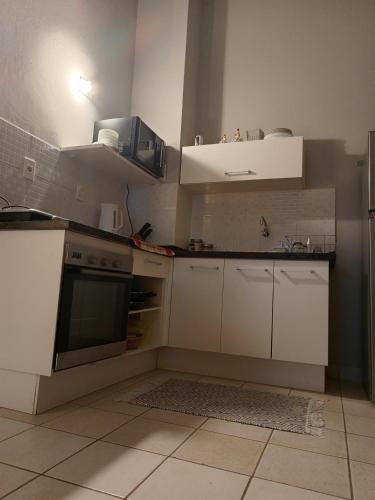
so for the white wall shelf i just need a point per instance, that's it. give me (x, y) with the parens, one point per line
(239, 166)
(105, 159)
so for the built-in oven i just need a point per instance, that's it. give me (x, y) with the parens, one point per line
(94, 301)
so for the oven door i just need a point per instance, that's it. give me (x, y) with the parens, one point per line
(93, 316)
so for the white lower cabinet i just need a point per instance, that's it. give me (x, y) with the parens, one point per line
(196, 304)
(247, 308)
(300, 312)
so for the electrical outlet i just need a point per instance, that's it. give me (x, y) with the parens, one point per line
(29, 168)
(80, 193)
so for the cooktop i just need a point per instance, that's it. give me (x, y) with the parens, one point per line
(24, 214)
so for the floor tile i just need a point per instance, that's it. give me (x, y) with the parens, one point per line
(222, 451)
(108, 468)
(124, 384)
(11, 478)
(359, 407)
(334, 420)
(361, 448)
(304, 469)
(331, 403)
(45, 488)
(174, 417)
(164, 376)
(266, 388)
(115, 403)
(10, 428)
(89, 422)
(94, 396)
(235, 429)
(150, 435)
(176, 479)
(363, 480)
(38, 419)
(131, 392)
(222, 381)
(260, 489)
(360, 425)
(331, 443)
(38, 449)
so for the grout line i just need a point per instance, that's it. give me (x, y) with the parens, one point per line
(168, 456)
(346, 443)
(257, 465)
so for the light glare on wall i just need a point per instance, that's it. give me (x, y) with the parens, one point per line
(80, 87)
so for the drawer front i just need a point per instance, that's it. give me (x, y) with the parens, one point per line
(150, 264)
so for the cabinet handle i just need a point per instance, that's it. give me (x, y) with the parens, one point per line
(155, 262)
(311, 271)
(251, 269)
(213, 268)
(240, 172)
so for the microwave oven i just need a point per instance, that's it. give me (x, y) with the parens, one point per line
(137, 142)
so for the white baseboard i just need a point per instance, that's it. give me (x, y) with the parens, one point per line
(67, 385)
(265, 371)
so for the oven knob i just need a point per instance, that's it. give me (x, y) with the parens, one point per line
(104, 262)
(92, 260)
(115, 264)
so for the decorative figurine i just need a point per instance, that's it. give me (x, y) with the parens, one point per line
(224, 138)
(237, 136)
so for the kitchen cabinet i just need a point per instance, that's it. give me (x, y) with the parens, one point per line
(237, 162)
(195, 321)
(247, 308)
(300, 312)
(150, 264)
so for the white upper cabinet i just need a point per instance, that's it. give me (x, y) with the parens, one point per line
(300, 312)
(247, 308)
(195, 321)
(264, 160)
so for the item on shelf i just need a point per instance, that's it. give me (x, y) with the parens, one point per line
(224, 139)
(141, 296)
(277, 132)
(111, 217)
(133, 341)
(198, 141)
(237, 136)
(207, 246)
(255, 134)
(108, 137)
(135, 305)
(195, 244)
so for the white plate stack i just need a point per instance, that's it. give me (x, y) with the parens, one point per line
(278, 132)
(108, 137)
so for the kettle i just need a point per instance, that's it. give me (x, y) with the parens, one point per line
(111, 217)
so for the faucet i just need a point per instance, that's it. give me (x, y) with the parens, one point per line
(265, 231)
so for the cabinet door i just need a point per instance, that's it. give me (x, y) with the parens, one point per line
(196, 304)
(247, 308)
(300, 312)
(277, 158)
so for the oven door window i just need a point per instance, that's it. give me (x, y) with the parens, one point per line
(93, 310)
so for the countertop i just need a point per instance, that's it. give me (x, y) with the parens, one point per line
(69, 225)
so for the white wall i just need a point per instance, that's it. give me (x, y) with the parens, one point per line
(42, 42)
(308, 66)
(157, 96)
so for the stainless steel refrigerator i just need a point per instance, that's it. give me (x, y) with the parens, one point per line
(369, 267)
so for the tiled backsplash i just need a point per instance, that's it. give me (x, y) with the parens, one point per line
(56, 180)
(231, 221)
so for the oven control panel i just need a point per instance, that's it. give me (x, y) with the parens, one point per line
(85, 256)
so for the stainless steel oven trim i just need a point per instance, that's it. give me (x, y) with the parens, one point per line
(79, 357)
(109, 274)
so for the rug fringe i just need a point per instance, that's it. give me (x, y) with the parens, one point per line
(314, 419)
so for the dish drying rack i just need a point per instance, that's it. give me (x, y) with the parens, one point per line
(319, 243)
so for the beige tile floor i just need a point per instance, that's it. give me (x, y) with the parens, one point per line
(102, 447)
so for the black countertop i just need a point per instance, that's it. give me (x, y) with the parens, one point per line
(272, 255)
(69, 225)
